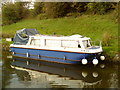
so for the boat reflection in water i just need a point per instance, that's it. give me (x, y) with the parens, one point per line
(56, 75)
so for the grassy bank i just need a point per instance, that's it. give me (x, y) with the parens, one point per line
(94, 27)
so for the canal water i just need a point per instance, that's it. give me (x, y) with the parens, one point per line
(26, 73)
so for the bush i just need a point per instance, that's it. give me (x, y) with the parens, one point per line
(99, 7)
(9, 14)
(12, 13)
(73, 15)
(78, 7)
(21, 9)
(38, 8)
(115, 16)
(56, 9)
(106, 39)
(42, 16)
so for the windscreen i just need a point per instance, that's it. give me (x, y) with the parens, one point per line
(86, 43)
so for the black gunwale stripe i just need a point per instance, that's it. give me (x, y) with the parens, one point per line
(54, 50)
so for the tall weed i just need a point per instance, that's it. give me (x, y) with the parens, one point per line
(106, 38)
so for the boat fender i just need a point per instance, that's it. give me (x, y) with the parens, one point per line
(64, 57)
(95, 61)
(38, 65)
(84, 61)
(102, 57)
(13, 53)
(27, 54)
(102, 65)
(10, 50)
(95, 74)
(13, 60)
(84, 74)
(38, 56)
(27, 62)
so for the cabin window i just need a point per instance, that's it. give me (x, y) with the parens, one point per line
(86, 43)
(79, 46)
(53, 42)
(69, 43)
(61, 43)
(35, 42)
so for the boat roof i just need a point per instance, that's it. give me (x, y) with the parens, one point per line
(72, 37)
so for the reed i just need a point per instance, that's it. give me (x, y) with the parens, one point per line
(106, 38)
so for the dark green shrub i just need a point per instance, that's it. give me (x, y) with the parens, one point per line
(106, 38)
(21, 9)
(56, 9)
(42, 16)
(74, 15)
(78, 7)
(38, 8)
(9, 14)
(115, 13)
(99, 7)
(12, 13)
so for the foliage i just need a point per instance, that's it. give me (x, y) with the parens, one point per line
(116, 14)
(12, 13)
(21, 9)
(78, 7)
(56, 9)
(74, 15)
(99, 7)
(9, 14)
(38, 8)
(106, 39)
(18, 11)
(42, 16)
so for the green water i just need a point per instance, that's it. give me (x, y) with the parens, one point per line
(20, 74)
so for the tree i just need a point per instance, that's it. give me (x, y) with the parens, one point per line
(78, 7)
(99, 7)
(116, 13)
(38, 8)
(9, 14)
(56, 9)
(21, 9)
(12, 13)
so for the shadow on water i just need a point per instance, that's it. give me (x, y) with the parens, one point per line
(28, 73)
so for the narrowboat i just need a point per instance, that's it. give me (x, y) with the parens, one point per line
(74, 49)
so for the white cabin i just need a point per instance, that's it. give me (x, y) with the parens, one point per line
(54, 41)
(75, 43)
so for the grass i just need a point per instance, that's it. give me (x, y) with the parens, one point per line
(87, 25)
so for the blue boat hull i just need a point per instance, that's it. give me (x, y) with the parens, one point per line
(53, 56)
